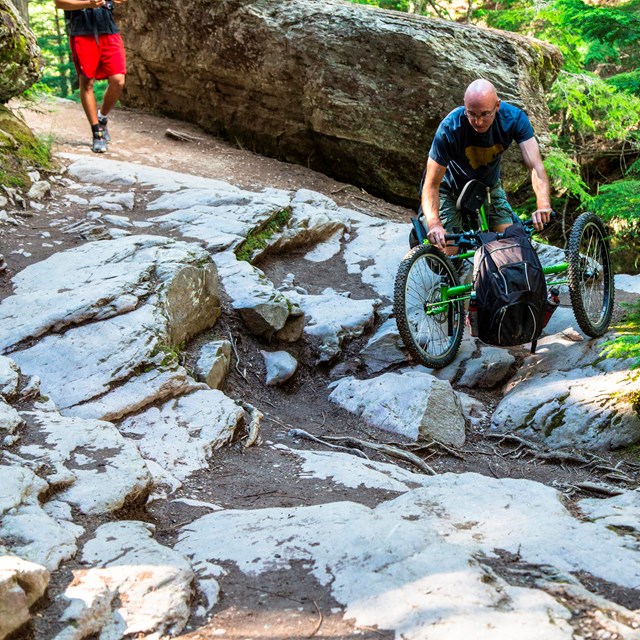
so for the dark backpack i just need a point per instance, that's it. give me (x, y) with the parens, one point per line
(511, 291)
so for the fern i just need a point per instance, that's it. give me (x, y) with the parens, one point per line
(564, 173)
(620, 199)
(627, 82)
(590, 106)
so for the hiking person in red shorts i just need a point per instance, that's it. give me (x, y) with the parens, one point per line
(98, 54)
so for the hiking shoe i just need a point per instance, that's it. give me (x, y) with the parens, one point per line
(99, 143)
(102, 121)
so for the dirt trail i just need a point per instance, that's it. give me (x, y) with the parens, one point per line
(275, 605)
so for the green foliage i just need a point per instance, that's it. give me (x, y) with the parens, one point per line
(587, 35)
(627, 342)
(628, 82)
(589, 106)
(59, 76)
(171, 356)
(619, 199)
(616, 26)
(564, 173)
(258, 239)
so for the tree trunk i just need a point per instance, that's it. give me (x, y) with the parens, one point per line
(23, 9)
(64, 59)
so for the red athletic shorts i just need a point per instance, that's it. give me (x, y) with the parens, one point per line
(101, 59)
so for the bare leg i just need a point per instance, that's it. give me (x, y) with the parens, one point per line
(88, 100)
(112, 94)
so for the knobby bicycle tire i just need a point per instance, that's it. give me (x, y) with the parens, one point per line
(433, 339)
(591, 281)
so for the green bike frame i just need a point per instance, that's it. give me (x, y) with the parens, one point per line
(462, 292)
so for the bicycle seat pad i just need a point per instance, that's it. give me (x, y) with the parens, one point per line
(472, 197)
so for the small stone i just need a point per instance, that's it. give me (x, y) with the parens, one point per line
(39, 190)
(213, 364)
(292, 330)
(280, 366)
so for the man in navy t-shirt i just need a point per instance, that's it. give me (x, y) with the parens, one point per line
(469, 144)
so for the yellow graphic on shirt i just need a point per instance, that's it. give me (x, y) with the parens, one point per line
(481, 156)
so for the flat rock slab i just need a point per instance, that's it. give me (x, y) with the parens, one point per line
(108, 279)
(314, 219)
(567, 396)
(135, 587)
(375, 250)
(630, 284)
(412, 403)
(82, 364)
(98, 470)
(220, 221)
(177, 436)
(26, 528)
(332, 318)
(421, 564)
(136, 297)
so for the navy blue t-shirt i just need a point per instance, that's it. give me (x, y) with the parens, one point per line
(468, 154)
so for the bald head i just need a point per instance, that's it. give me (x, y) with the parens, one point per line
(480, 90)
(481, 103)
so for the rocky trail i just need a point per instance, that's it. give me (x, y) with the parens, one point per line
(201, 447)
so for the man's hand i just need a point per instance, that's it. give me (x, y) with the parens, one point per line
(541, 217)
(436, 235)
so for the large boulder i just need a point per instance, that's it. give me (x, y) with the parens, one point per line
(20, 59)
(351, 91)
(20, 67)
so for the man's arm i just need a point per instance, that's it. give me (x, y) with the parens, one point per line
(539, 181)
(431, 202)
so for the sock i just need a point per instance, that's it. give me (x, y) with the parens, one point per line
(100, 116)
(97, 132)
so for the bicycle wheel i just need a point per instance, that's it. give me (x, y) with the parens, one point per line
(591, 285)
(430, 329)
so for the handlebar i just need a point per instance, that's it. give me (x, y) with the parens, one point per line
(471, 239)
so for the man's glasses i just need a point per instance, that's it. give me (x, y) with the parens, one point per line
(485, 115)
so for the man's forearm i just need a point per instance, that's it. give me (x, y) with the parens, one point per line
(541, 187)
(431, 205)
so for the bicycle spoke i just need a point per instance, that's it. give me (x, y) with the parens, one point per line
(422, 315)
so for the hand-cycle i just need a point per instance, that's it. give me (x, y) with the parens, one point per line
(429, 301)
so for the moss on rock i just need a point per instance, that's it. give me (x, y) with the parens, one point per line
(20, 58)
(20, 150)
